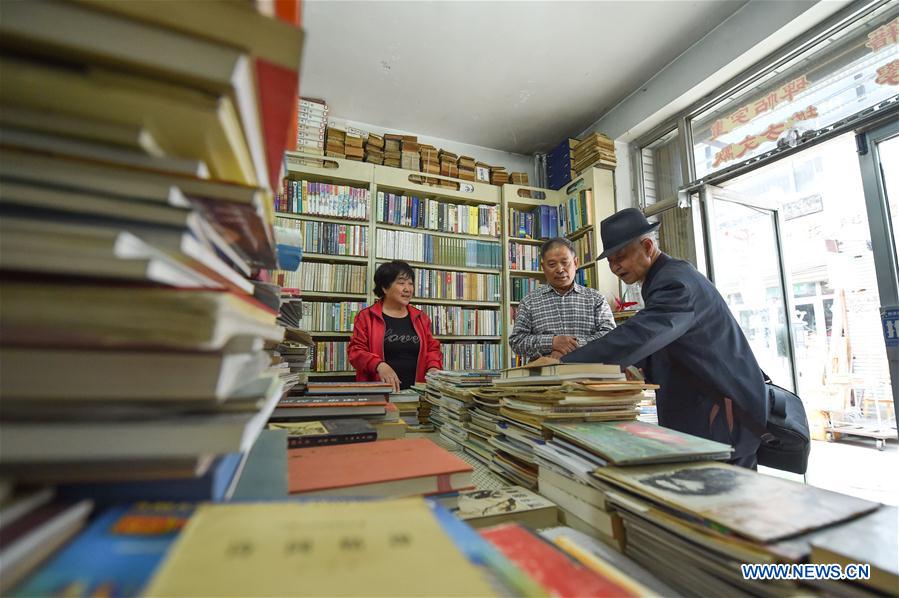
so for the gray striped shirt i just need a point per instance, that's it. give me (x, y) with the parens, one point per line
(582, 312)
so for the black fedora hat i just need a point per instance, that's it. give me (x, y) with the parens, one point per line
(621, 228)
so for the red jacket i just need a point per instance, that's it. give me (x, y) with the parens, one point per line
(366, 348)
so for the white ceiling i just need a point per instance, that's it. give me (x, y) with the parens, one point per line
(515, 76)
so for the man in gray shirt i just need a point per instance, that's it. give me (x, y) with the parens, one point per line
(561, 315)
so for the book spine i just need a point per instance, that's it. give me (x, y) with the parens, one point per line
(307, 441)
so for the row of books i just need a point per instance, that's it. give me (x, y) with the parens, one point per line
(520, 286)
(541, 222)
(330, 356)
(586, 277)
(465, 286)
(322, 278)
(404, 210)
(560, 164)
(462, 356)
(459, 321)
(576, 212)
(325, 316)
(323, 199)
(524, 257)
(438, 250)
(584, 248)
(329, 238)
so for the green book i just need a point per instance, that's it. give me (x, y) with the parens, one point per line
(638, 443)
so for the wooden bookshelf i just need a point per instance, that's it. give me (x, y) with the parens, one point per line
(401, 182)
(317, 218)
(524, 198)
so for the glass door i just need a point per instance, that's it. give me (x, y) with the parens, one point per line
(878, 153)
(744, 260)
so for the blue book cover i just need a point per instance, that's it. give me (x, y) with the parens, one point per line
(213, 485)
(115, 556)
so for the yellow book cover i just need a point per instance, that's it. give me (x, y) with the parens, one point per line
(316, 549)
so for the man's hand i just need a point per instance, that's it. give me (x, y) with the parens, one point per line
(564, 344)
(541, 361)
(432, 370)
(389, 376)
(556, 355)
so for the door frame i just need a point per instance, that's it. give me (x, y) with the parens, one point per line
(883, 240)
(709, 195)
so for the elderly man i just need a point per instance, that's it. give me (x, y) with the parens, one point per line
(686, 340)
(562, 315)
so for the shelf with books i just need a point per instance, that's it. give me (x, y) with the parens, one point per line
(397, 180)
(580, 232)
(330, 295)
(481, 221)
(348, 259)
(400, 227)
(537, 242)
(330, 333)
(433, 266)
(319, 218)
(429, 301)
(330, 170)
(539, 273)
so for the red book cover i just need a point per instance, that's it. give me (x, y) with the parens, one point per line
(277, 88)
(357, 465)
(558, 573)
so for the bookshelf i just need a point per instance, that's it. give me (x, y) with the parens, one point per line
(458, 270)
(586, 201)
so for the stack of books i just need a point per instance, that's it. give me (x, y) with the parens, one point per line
(409, 156)
(511, 504)
(325, 402)
(407, 403)
(135, 199)
(451, 396)
(695, 524)
(448, 166)
(574, 449)
(498, 175)
(518, 178)
(594, 150)
(374, 149)
(430, 162)
(353, 147)
(482, 172)
(312, 120)
(466, 166)
(560, 164)
(335, 143)
(393, 150)
(390, 469)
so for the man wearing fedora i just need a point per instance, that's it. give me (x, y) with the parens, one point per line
(685, 339)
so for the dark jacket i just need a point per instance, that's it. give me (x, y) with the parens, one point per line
(688, 342)
(366, 348)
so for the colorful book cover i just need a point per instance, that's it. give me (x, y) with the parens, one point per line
(114, 556)
(558, 573)
(635, 442)
(753, 505)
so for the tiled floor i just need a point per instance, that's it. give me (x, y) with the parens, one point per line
(854, 467)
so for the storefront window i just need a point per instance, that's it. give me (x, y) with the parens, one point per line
(661, 167)
(840, 77)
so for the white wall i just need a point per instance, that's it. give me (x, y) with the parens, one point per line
(756, 30)
(493, 157)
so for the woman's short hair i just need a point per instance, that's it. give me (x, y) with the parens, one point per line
(388, 272)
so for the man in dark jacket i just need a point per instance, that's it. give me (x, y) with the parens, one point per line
(685, 339)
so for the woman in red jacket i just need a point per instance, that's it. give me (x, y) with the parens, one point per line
(392, 340)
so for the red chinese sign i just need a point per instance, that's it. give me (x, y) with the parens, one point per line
(749, 143)
(883, 36)
(748, 112)
(888, 74)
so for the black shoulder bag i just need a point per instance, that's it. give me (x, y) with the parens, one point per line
(786, 443)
